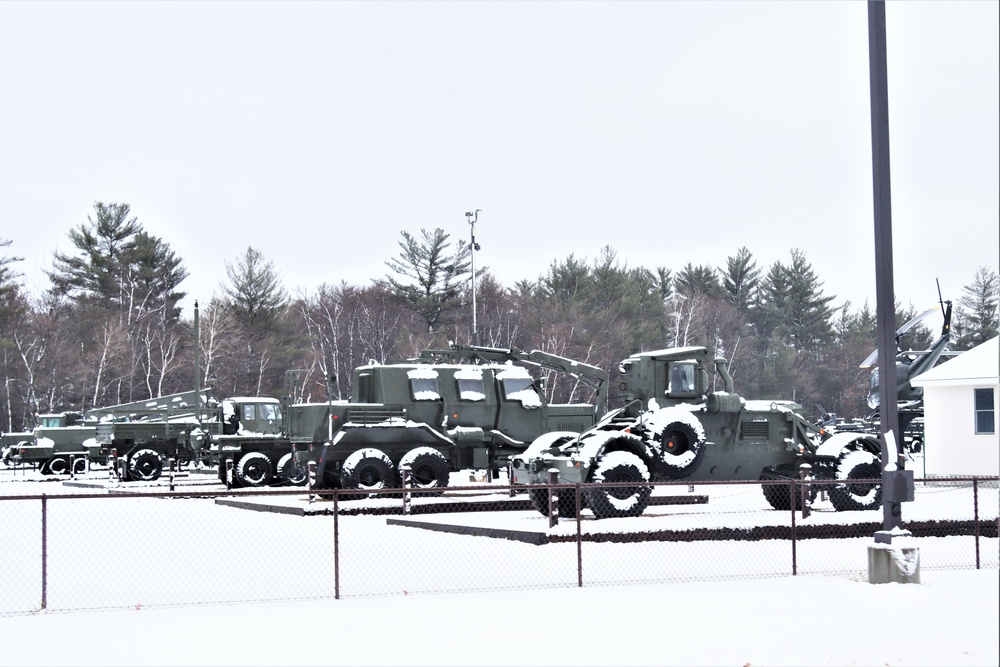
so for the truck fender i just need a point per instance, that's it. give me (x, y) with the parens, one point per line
(595, 443)
(547, 441)
(838, 443)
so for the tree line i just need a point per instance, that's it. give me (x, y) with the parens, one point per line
(109, 328)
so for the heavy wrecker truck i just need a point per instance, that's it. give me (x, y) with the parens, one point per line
(674, 425)
(466, 407)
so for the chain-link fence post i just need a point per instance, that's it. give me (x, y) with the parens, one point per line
(791, 497)
(336, 544)
(579, 536)
(975, 514)
(45, 551)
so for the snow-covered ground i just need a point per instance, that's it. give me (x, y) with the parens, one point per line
(147, 554)
(949, 619)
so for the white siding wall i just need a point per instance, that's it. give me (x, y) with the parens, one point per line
(952, 446)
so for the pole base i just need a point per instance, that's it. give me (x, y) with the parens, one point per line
(893, 558)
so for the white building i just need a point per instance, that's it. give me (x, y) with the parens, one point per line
(960, 413)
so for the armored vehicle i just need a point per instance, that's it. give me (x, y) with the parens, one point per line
(435, 415)
(674, 425)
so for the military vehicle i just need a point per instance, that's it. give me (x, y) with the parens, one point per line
(8, 444)
(436, 415)
(188, 428)
(674, 425)
(65, 439)
(909, 364)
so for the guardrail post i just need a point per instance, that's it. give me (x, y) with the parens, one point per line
(122, 469)
(229, 474)
(553, 498)
(311, 480)
(804, 470)
(404, 472)
(172, 462)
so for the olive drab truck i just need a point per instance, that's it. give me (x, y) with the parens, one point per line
(186, 428)
(675, 425)
(466, 407)
(67, 441)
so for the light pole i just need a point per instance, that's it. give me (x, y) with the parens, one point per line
(473, 246)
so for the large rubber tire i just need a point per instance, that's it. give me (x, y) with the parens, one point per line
(79, 466)
(622, 501)
(429, 468)
(680, 444)
(291, 471)
(58, 465)
(857, 464)
(778, 496)
(367, 469)
(253, 470)
(145, 465)
(8, 457)
(566, 502)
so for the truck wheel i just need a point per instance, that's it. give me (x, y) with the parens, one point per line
(777, 496)
(291, 471)
(145, 465)
(566, 502)
(679, 440)
(368, 470)
(618, 501)
(8, 457)
(58, 465)
(429, 468)
(857, 464)
(79, 466)
(253, 470)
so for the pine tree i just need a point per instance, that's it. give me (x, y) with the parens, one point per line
(431, 276)
(741, 279)
(977, 310)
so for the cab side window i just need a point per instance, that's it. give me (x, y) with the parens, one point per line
(681, 379)
(249, 414)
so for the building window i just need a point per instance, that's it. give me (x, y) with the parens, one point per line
(986, 421)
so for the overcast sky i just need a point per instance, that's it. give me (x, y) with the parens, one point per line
(670, 131)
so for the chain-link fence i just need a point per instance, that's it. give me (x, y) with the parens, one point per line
(127, 548)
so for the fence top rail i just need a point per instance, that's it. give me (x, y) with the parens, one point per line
(488, 488)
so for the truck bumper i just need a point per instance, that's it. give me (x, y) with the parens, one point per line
(536, 471)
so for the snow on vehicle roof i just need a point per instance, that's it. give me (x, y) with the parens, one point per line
(510, 372)
(422, 374)
(469, 373)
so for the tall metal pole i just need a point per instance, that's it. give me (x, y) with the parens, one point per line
(893, 481)
(197, 354)
(472, 218)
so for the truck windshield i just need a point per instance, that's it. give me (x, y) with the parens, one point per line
(270, 412)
